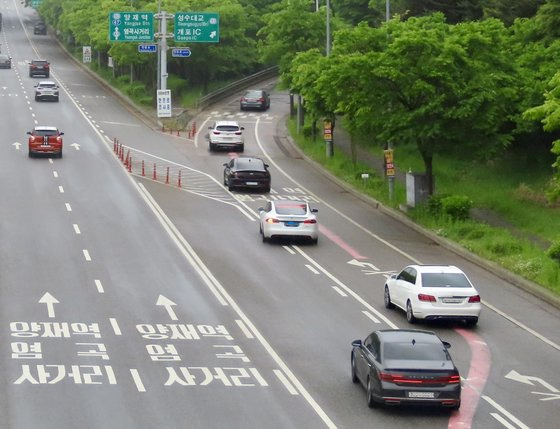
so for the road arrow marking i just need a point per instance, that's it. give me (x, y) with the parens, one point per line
(50, 300)
(17, 145)
(526, 379)
(167, 303)
(362, 264)
(76, 146)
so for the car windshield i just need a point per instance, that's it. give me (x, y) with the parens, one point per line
(291, 208)
(250, 164)
(444, 280)
(231, 128)
(416, 351)
(3, 57)
(45, 132)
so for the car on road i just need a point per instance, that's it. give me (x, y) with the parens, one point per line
(255, 99)
(288, 218)
(40, 28)
(39, 67)
(5, 61)
(45, 140)
(406, 366)
(433, 292)
(247, 172)
(46, 90)
(226, 135)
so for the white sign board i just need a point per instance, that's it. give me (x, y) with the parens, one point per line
(164, 103)
(86, 54)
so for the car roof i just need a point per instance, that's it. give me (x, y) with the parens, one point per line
(425, 268)
(407, 335)
(45, 128)
(4, 56)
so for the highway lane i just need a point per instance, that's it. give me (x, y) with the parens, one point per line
(311, 326)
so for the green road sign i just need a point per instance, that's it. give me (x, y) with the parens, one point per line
(197, 27)
(36, 3)
(131, 26)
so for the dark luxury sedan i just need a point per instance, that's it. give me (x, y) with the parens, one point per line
(398, 366)
(255, 99)
(247, 172)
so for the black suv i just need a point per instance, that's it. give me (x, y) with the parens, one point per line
(39, 68)
(40, 28)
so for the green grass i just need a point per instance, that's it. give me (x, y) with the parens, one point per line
(505, 186)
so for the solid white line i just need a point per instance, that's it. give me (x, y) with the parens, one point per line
(371, 316)
(503, 421)
(86, 255)
(244, 329)
(312, 269)
(61, 189)
(340, 292)
(115, 326)
(258, 376)
(289, 250)
(505, 412)
(68, 207)
(99, 286)
(76, 228)
(285, 382)
(137, 380)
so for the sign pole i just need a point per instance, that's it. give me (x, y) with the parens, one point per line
(163, 52)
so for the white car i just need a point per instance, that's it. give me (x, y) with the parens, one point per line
(226, 135)
(46, 90)
(288, 218)
(432, 292)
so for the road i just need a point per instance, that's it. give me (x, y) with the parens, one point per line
(128, 302)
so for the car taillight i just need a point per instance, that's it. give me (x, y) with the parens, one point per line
(243, 99)
(216, 133)
(261, 99)
(310, 221)
(426, 298)
(474, 298)
(238, 133)
(46, 66)
(271, 220)
(403, 379)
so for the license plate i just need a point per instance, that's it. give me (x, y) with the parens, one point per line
(291, 223)
(425, 395)
(251, 183)
(452, 300)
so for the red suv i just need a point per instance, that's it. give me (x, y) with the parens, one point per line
(39, 68)
(45, 140)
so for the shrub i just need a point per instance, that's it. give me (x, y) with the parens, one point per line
(554, 251)
(456, 206)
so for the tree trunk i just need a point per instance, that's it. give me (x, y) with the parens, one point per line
(353, 150)
(131, 73)
(428, 160)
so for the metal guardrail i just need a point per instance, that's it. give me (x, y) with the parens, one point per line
(234, 87)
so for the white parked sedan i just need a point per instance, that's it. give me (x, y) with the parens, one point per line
(433, 292)
(288, 218)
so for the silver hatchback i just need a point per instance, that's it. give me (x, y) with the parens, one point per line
(226, 135)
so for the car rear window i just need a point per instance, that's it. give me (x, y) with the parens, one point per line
(444, 280)
(231, 128)
(253, 94)
(417, 351)
(45, 132)
(291, 208)
(47, 85)
(39, 63)
(252, 164)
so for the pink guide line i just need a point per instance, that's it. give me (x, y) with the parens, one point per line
(341, 243)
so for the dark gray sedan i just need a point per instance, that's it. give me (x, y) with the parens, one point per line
(5, 62)
(398, 366)
(255, 99)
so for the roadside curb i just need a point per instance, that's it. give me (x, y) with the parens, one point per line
(516, 280)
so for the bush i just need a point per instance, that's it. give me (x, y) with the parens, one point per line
(177, 85)
(456, 206)
(435, 206)
(554, 251)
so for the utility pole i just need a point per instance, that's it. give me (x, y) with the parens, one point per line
(389, 143)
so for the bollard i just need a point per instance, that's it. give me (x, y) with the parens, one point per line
(167, 177)
(115, 144)
(194, 127)
(179, 180)
(178, 133)
(162, 129)
(155, 175)
(130, 165)
(170, 131)
(143, 171)
(127, 158)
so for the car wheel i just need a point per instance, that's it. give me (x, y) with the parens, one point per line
(387, 298)
(264, 239)
(472, 322)
(60, 154)
(241, 108)
(409, 313)
(369, 393)
(241, 148)
(267, 189)
(230, 187)
(314, 240)
(36, 98)
(31, 154)
(354, 376)
(211, 146)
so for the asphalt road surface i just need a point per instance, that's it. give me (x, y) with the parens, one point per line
(128, 302)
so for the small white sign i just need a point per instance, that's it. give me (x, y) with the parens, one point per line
(110, 62)
(86, 54)
(164, 103)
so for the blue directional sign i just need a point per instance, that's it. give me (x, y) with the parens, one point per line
(147, 48)
(181, 52)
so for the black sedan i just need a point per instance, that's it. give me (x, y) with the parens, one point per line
(5, 61)
(247, 172)
(255, 99)
(398, 366)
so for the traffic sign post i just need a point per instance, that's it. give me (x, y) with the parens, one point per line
(86, 54)
(164, 103)
(147, 48)
(131, 26)
(197, 27)
(181, 52)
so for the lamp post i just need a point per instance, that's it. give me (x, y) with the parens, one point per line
(389, 144)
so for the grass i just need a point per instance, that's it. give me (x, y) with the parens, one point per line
(506, 187)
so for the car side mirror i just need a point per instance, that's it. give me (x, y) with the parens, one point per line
(314, 210)
(260, 209)
(28, 132)
(61, 133)
(266, 165)
(393, 276)
(357, 343)
(210, 128)
(446, 344)
(242, 128)
(225, 164)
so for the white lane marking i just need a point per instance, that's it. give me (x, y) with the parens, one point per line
(86, 255)
(340, 292)
(68, 207)
(120, 123)
(244, 329)
(285, 382)
(289, 250)
(111, 374)
(137, 380)
(503, 421)
(99, 286)
(312, 269)
(371, 316)
(346, 288)
(115, 326)
(258, 376)
(61, 189)
(214, 285)
(76, 228)
(505, 412)
(51, 161)
(55, 174)
(522, 326)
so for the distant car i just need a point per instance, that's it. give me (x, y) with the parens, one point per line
(39, 68)
(432, 292)
(398, 366)
(226, 135)
(40, 28)
(46, 90)
(5, 61)
(45, 140)
(288, 218)
(247, 172)
(255, 99)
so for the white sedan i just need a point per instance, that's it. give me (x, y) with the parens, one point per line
(288, 218)
(432, 292)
